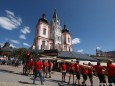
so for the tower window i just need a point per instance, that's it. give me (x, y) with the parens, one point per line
(58, 38)
(43, 45)
(68, 40)
(44, 31)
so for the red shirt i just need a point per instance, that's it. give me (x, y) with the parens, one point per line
(72, 66)
(46, 64)
(63, 67)
(31, 63)
(77, 67)
(98, 69)
(38, 65)
(90, 71)
(50, 64)
(84, 71)
(111, 69)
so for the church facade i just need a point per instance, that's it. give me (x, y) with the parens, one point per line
(52, 36)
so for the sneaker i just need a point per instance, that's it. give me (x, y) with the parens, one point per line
(68, 82)
(42, 83)
(33, 83)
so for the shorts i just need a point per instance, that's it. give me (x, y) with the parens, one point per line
(90, 75)
(101, 78)
(84, 76)
(63, 73)
(71, 72)
(49, 70)
(77, 75)
(111, 79)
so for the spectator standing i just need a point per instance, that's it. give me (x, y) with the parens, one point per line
(110, 72)
(71, 71)
(50, 67)
(99, 72)
(38, 70)
(63, 70)
(77, 72)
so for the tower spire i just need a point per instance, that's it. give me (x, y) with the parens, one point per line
(55, 14)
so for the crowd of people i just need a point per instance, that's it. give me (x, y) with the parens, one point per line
(88, 70)
(14, 61)
(44, 68)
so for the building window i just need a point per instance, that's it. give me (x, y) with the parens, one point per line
(68, 40)
(43, 45)
(65, 48)
(44, 31)
(58, 38)
(51, 45)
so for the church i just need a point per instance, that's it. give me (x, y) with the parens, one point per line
(51, 36)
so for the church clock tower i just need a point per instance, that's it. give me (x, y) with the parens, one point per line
(56, 34)
(42, 34)
(67, 39)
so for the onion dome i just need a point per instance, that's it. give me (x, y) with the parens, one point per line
(43, 19)
(65, 29)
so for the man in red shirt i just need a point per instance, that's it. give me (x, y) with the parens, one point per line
(38, 70)
(90, 73)
(31, 66)
(99, 71)
(71, 71)
(84, 73)
(63, 69)
(45, 68)
(77, 72)
(50, 67)
(111, 72)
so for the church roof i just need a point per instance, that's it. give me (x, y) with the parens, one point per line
(55, 14)
(75, 55)
(43, 18)
(65, 29)
(7, 49)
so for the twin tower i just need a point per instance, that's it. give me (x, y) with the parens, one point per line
(52, 36)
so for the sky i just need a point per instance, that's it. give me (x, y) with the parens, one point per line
(91, 22)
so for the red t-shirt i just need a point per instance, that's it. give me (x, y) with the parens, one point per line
(98, 69)
(50, 64)
(31, 63)
(63, 67)
(111, 69)
(84, 70)
(46, 64)
(90, 71)
(77, 67)
(72, 66)
(38, 65)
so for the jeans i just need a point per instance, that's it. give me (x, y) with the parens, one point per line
(40, 75)
(111, 80)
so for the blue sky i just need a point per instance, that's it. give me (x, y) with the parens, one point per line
(91, 22)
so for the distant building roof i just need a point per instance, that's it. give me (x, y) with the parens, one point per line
(75, 55)
(7, 49)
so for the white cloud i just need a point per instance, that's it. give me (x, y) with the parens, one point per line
(76, 41)
(1, 44)
(10, 22)
(25, 30)
(22, 37)
(81, 51)
(26, 44)
(12, 45)
(98, 48)
(15, 41)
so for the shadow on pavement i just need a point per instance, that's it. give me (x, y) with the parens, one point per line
(66, 84)
(25, 82)
(7, 71)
